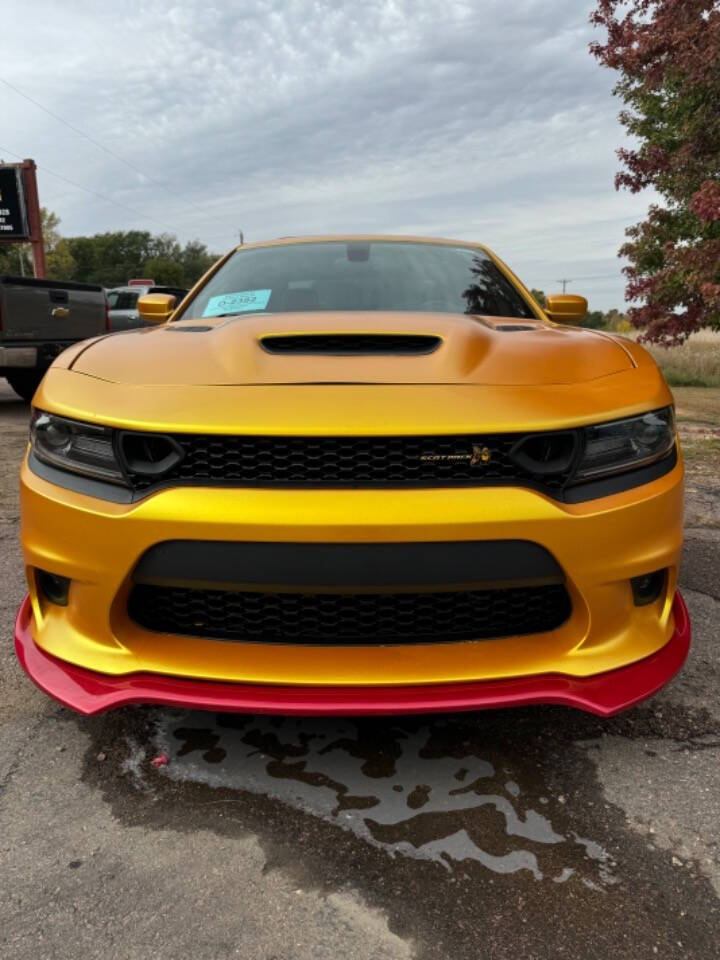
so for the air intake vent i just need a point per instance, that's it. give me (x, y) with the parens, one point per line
(196, 328)
(513, 327)
(351, 344)
(339, 619)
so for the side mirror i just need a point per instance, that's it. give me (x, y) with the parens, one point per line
(156, 307)
(565, 307)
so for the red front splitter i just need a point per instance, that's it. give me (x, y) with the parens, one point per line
(604, 694)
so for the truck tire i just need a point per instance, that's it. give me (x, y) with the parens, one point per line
(25, 382)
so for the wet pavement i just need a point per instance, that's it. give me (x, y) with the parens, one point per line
(536, 833)
(415, 792)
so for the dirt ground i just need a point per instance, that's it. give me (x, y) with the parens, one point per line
(537, 833)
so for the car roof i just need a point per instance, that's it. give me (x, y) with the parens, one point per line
(363, 238)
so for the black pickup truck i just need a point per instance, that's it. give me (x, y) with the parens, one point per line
(38, 320)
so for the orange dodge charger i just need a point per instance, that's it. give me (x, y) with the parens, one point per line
(353, 475)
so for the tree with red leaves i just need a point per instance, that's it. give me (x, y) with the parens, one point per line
(668, 56)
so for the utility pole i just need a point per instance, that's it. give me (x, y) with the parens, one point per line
(565, 281)
(34, 219)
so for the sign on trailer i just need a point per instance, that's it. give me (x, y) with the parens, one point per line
(13, 214)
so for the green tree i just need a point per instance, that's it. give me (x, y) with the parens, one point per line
(111, 258)
(50, 223)
(594, 320)
(164, 271)
(667, 53)
(59, 262)
(539, 295)
(617, 321)
(165, 247)
(196, 260)
(16, 258)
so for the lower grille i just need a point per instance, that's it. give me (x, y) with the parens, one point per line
(349, 618)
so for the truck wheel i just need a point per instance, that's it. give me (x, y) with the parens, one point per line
(25, 382)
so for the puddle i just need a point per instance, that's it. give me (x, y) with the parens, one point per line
(419, 791)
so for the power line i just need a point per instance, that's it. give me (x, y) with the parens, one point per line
(100, 196)
(602, 276)
(110, 152)
(94, 193)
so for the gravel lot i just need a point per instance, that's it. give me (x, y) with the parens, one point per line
(528, 834)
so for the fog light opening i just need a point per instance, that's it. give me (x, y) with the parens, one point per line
(53, 587)
(648, 587)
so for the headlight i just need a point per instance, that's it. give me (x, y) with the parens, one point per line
(625, 444)
(79, 447)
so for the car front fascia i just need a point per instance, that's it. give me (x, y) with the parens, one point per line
(97, 545)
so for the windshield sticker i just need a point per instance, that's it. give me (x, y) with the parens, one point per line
(241, 302)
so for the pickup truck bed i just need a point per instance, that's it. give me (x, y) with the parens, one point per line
(38, 320)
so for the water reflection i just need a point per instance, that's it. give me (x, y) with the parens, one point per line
(416, 790)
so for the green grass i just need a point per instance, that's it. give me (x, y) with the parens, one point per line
(698, 415)
(698, 405)
(679, 379)
(700, 450)
(695, 364)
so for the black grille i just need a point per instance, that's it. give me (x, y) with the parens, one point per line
(352, 462)
(351, 344)
(349, 618)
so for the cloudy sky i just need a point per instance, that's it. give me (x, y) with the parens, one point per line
(477, 119)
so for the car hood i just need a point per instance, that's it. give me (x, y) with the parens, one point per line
(354, 347)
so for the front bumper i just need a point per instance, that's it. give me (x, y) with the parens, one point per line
(605, 694)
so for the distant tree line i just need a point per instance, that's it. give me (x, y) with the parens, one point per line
(111, 259)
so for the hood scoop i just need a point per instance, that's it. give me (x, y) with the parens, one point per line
(350, 344)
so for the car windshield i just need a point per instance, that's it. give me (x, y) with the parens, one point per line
(122, 299)
(358, 275)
